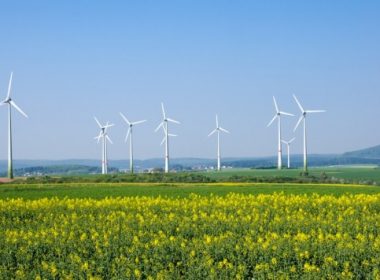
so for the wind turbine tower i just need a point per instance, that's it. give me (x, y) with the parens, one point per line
(130, 136)
(217, 130)
(278, 117)
(304, 113)
(165, 126)
(11, 104)
(287, 143)
(103, 135)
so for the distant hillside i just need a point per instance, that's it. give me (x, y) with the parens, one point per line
(90, 166)
(297, 161)
(369, 153)
(68, 169)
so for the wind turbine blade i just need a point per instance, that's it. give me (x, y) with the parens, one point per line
(212, 132)
(9, 86)
(163, 141)
(291, 141)
(315, 111)
(18, 108)
(109, 139)
(217, 121)
(109, 125)
(127, 136)
(298, 123)
(283, 141)
(163, 110)
(287, 114)
(138, 122)
(224, 130)
(159, 126)
(125, 118)
(275, 104)
(172, 135)
(298, 103)
(173, 121)
(270, 123)
(97, 121)
(164, 129)
(98, 137)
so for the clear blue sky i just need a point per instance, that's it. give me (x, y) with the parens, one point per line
(76, 59)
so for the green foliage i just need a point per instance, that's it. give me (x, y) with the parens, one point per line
(120, 178)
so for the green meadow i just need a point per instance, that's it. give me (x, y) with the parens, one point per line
(357, 180)
(102, 190)
(353, 173)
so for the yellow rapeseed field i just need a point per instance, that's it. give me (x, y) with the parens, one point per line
(199, 237)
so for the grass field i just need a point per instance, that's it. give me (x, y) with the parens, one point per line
(102, 190)
(355, 173)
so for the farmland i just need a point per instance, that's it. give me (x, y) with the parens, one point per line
(354, 173)
(236, 236)
(218, 230)
(103, 190)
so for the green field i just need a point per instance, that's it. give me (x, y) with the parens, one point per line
(354, 173)
(363, 175)
(102, 190)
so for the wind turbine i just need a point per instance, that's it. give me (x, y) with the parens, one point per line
(130, 136)
(278, 117)
(303, 118)
(8, 100)
(217, 130)
(287, 143)
(104, 136)
(165, 125)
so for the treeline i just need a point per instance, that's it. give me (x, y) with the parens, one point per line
(122, 178)
(189, 177)
(301, 179)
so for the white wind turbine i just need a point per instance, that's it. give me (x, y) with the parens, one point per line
(130, 136)
(104, 136)
(8, 100)
(165, 126)
(278, 117)
(287, 143)
(303, 118)
(217, 130)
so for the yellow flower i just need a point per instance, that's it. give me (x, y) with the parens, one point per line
(310, 267)
(83, 236)
(137, 273)
(84, 266)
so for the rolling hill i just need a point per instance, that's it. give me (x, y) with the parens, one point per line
(369, 153)
(88, 166)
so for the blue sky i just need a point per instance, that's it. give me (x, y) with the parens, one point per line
(73, 60)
